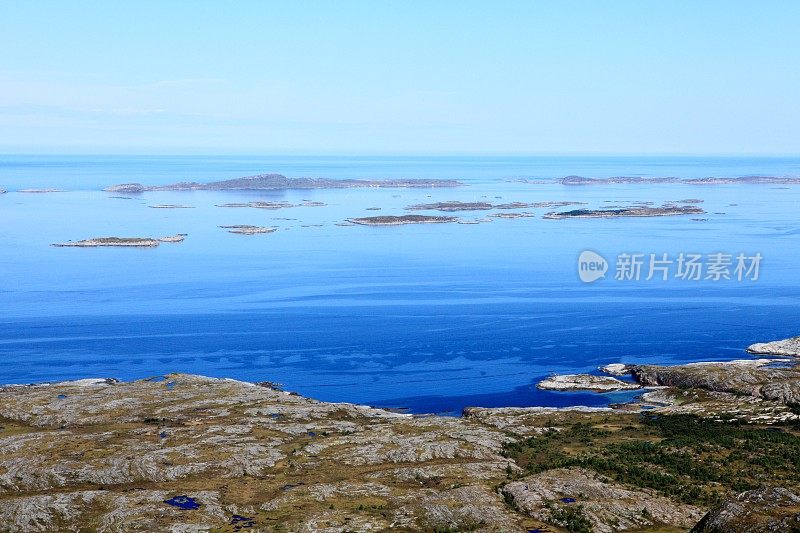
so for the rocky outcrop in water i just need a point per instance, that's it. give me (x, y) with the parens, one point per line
(644, 211)
(244, 229)
(123, 242)
(452, 206)
(391, 220)
(587, 382)
(787, 348)
(615, 369)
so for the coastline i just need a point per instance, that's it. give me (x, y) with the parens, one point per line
(182, 440)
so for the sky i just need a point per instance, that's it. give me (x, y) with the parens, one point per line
(400, 77)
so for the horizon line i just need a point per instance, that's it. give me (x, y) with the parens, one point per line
(487, 155)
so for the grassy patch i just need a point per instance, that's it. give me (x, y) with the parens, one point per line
(683, 457)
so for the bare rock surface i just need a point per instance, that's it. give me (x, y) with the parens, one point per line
(787, 347)
(608, 506)
(102, 455)
(190, 453)
(587, 382)
(763, 378)
(716, 405)
(615, 369)
(766, 510)
(527, 421)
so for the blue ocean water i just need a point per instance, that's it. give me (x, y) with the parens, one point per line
(430, 317)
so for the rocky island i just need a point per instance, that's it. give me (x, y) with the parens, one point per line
(280, 182)
(639, 211)
(272, 205)
(787, 347)
(454, 205)
(397, 220)
(512, 215)
(243, 229)
(587, 382)
(451, 206)
(258, 205)
(124, 242)
(189, 453)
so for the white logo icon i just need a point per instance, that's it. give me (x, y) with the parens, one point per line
(591, 266)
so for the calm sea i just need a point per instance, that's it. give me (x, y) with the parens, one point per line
(430, 317)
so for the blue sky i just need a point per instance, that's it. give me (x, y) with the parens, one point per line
(410, 77)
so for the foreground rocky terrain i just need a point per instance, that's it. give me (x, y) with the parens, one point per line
(190, 453)
(102, 455)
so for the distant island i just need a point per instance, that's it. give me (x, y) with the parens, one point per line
(768, 180)
(512, 215)
(392, 220)
(278, 181)
(455, 205)
(639, 211)
(245, 229)
(125, 242)
(272, 205)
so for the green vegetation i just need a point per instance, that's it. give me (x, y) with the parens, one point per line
(683, 457)
(572, 518)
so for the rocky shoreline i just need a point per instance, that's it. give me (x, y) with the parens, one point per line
(190, 453)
